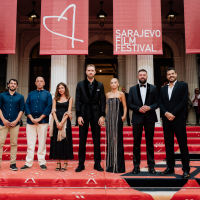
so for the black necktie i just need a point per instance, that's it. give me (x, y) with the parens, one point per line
(142, 85)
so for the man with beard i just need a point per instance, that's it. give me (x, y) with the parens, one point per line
(11, 111)
(90, 108)
(173, 100)
(143, 101)
(127, 115)
(37, 109)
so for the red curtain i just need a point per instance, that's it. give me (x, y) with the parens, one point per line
(137, 27)
(192, 26)
(8, 15)
(64, 27)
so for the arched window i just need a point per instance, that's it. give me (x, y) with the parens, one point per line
(40, 65)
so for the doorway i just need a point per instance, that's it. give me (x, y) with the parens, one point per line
(39, 66)
(161, 64)
(101, 55)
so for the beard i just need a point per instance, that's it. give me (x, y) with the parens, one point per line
(12, 89)
(90, 77)
(143, 81)
(173, 80)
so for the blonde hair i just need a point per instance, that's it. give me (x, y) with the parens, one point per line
(90, 65)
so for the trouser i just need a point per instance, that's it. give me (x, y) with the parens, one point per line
(137, 135)
(31, 132)
(128, 117)
(13, 141)
(197, 114)
(177, 127)
(83, 132)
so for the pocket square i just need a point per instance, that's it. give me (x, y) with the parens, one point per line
(98, 89)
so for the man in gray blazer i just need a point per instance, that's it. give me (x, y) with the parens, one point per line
(143, 101)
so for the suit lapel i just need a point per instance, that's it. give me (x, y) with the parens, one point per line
(95, 89)
(175, 86)
(139, 94)
(86, 88)
(147, 94)
(166, 92)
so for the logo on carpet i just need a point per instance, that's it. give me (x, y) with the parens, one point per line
(91, 181)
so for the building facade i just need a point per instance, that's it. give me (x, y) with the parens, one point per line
(26, 64)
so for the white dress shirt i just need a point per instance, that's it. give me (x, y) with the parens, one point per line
(143, 92)
(170, 90)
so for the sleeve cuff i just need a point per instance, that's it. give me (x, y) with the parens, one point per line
(103, 114)
(78, 114)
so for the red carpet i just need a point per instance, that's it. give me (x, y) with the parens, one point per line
(192, 132)
(90, 184)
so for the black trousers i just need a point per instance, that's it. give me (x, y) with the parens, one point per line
(197, 114)
(83, 132)
(137, 136)
(177, 127)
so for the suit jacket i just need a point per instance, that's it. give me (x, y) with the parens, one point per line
(96, 103)
(177, 103)
(135, 103)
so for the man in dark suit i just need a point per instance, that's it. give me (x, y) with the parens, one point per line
(90, 108)
(143, 100)
(127, 115)
(173, 99)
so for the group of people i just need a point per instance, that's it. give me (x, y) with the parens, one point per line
(92, 105)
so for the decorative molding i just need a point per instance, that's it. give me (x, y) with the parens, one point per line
(30, 46)
(100, 37)
(172, 45)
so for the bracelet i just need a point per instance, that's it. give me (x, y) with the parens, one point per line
(57, 120)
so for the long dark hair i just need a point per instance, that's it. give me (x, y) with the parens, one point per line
(57, 94)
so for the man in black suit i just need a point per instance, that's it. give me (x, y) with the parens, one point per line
(127, 115)
(90, 108)
(173, 100)
(143, 100)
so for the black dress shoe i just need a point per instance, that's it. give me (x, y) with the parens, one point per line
(98, 167)
(152, 170)
(136, 170)
(80, 168)
(186, 175)
(167, 172)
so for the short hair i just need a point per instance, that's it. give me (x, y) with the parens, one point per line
(39, 77)
(142, 70)
(170, 68)
(91, 65)
(13, 79)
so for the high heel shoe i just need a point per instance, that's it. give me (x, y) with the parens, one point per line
(58, 169)
(64, 168)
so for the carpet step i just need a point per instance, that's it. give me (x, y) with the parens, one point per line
(195, 140)
(127, 148)
(125, 134)
(89, 156)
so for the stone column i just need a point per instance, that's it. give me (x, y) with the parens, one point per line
(58, 71)
(72, 75)
(81, 68)
(191, 78)
(13, 62)
(121, 70)
(131, 71)
(146, 62)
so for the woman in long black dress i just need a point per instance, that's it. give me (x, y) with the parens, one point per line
(61, 147)
(115, 115)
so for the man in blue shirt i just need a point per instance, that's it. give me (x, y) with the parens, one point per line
(11, 111)
(37, 109)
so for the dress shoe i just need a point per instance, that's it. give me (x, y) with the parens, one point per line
(80, 168)
(152, 170)
(186, 175)
(167, 172)
(98, 167)
(136, 170)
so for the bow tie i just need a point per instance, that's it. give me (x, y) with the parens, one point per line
(142, 85)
